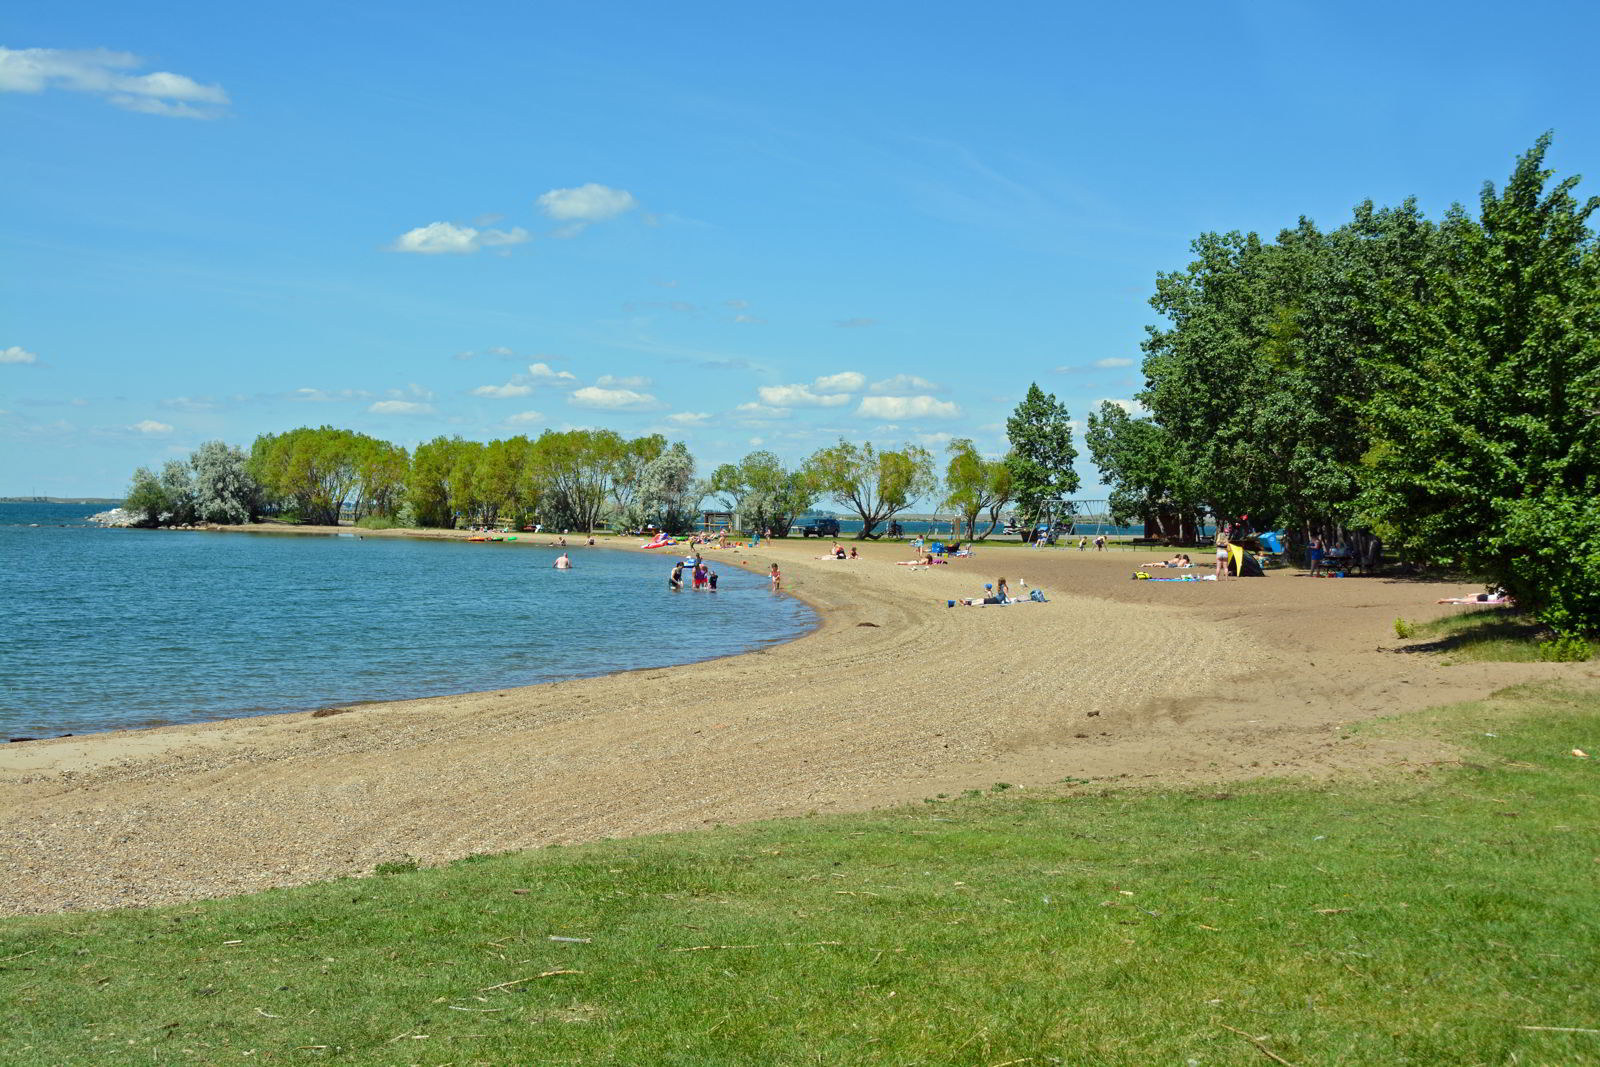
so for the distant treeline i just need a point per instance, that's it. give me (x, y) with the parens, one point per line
(581, 479)
(1437, 383)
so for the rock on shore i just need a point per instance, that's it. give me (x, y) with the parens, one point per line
(115, 517)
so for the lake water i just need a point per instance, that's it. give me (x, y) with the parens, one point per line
(105, 629)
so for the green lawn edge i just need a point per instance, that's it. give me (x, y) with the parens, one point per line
(1432, 916)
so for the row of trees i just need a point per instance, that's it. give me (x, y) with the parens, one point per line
(578, 479)
(1436, 382)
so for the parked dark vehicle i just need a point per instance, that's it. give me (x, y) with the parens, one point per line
(825, 526)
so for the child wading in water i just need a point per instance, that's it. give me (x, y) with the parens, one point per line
(777, 580)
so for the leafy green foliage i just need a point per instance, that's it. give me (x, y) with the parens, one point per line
(316, 472)
(973, 484)
(762, 493)
(876, 485)
(1486, 428)
(1042, 453)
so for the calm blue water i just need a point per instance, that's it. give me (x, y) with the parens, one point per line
(104, 629)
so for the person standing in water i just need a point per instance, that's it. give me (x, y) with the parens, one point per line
(776, 578)
(675, 579)
(562, 563)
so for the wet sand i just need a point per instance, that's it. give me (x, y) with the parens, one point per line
(893, 698)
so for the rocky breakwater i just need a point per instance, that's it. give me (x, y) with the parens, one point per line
(115, 517)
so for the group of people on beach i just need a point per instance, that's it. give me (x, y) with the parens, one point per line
(838, 552)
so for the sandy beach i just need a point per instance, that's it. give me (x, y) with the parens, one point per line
(893, 698)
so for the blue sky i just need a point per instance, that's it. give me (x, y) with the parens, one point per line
(739, 226)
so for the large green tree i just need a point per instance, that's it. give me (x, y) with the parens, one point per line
(763, 493)
(1042, 454)
(876, 484)
(973, 484)
(1486, 424)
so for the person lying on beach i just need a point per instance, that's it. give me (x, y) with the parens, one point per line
(1499, 596)
(1180, 560)
(926, 561)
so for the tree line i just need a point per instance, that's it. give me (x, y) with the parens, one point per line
(583, 479)
(1434, 382)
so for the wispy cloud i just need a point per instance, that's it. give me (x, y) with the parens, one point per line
(906, 407)
(592, 396)
(587, 203)
(800, 396)
(447, 238)
(108, 75)
(507, 390)
(904, 384)
(611, 381)
(324, 396)
(689, 418)
(151, 427)
(543, 373)
(400, 407)
(524, 418)
(854, 324)
(1114, 361)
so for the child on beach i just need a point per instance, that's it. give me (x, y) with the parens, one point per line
(777, 580)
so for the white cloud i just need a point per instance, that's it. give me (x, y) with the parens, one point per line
(437, 238)
(1132, 407)
(105, 73)
(689, 418)
(587, 203)
(522, 418)
(611, 381)
(752, 320)
(904, 384)
(322, 396)
(542, 373)
(934, 440)
(511, 388)
(761, 411)
(906, 407)
(17, 354)
(785, 396)
(400, 407)
(446, 238)
(591, 396)
(514, 236)
(844, 382)
(191, 403)
(150, 426)
(1114, 361)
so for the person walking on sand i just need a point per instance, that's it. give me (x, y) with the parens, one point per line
(1222, 560)
(1315, 554)
(775, 577)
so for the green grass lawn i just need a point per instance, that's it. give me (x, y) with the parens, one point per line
(1498, 634)
(1436, 917)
